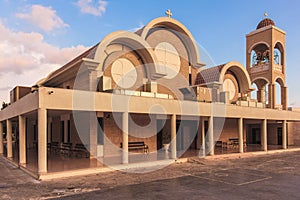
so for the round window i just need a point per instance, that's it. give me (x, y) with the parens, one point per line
(124, 73)
(230, 86)
(168, 59)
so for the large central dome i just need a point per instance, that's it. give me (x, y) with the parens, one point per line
(265, 22)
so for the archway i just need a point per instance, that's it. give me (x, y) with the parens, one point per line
(180, 30)
(253, 94)
(134, 42)
(259, 55)
(279, 54)
(280, 93)
(261, 90)
(239, 73)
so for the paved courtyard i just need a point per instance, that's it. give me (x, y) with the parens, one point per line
(274, 176)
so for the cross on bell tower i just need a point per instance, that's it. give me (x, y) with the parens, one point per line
(266, 63)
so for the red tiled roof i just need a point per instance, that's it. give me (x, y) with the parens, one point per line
(265, 22)
(209, 75)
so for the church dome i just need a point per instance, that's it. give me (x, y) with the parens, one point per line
(265, 22)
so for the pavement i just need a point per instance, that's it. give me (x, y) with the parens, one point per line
(274, 176)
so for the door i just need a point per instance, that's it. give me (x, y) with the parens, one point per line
(279, 136)
(159, 134)
(255, 139)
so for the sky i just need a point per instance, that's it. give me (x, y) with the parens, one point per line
(37, 37)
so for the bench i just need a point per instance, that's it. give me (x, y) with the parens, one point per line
(234, 142)
(80, 149)
(53, 147)
(65, 149)
(137, 146)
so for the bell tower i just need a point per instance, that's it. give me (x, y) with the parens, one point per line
(266, 64)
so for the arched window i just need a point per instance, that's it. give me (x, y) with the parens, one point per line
(277, 57)
(254, 92)
(260, 54)
(254, 59)
(279, 54)
(278, 94)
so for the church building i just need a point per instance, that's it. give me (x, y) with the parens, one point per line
(146, 96)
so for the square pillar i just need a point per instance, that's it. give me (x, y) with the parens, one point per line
(1, 138)
(272, 96)
(264, 140)
(261, 96)
(284, 98)
(9, 139)
(211, 148)
(173, 137)
(284, 134)
(241, 135)
(22, 140)
(93, 135)
(125, 138)
(42, 140)
(203, 137)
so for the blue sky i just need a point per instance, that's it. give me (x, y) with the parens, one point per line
(39, 36)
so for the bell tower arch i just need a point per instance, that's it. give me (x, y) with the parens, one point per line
(266, 64)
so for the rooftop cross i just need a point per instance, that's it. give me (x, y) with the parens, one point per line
(168, 12)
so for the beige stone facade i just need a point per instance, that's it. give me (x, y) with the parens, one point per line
(150, 87)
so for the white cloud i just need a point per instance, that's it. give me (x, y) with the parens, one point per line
(92, 7)
(141, 25)
(26, 57)
(43, 17)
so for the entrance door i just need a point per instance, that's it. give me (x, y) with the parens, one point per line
(186, 135)
(160, 124)
(255, 139)
(279, 136)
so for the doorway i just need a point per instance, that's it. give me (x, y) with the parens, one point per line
(279, 136)
(255, 136)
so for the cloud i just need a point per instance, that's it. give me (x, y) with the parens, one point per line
(91, 7)
(43, 17)
(141, 25)
(26, 57)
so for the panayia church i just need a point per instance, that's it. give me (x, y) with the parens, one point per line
(145, 98)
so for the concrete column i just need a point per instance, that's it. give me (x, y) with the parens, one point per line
(22, 140)
(9, 138)
(284, 134)
(211, 143)
(42, 140)
(272, 96)
(1, 138)
(203, 136)
(241, 135)
(264, 140)
(173, 137)
(93, 122)
(284, 98)
(125, 137)
(260, 96)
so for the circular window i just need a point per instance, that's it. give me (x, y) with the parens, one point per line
(230, 86)
(168, 59)
(124, 73)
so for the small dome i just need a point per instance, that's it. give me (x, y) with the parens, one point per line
(265, 22)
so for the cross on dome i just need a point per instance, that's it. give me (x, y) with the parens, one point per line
(168, 12)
